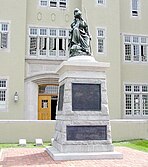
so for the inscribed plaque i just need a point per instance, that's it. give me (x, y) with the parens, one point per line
(83, 133)
(86, 97)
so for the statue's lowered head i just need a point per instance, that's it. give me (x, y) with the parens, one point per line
(77, 13)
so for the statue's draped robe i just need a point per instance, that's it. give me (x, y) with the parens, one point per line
(79, 35)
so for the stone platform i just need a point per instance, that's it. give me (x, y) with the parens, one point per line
(56, 155)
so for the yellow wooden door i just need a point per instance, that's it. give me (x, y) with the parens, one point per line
(44, 108)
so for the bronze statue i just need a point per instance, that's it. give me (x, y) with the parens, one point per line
(80, 38)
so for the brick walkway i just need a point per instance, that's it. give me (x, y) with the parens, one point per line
(37, 157)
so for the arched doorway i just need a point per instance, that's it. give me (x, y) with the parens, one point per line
(37, 88)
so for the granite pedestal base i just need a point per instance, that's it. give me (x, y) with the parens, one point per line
(82, 128)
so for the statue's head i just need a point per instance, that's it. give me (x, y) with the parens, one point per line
(77, 12)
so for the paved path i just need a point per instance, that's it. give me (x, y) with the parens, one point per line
(37, 157)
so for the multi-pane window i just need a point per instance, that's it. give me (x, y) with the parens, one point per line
(101, 2)
(53, 3)
(44, 2)
(48, 42)
(4, 30)
(136, 100)
(48, 89)
(135, 7)
(3, 94)
(135, 48)
(62, 3)
(100, 40)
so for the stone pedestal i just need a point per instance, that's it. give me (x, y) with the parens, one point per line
(83, 128)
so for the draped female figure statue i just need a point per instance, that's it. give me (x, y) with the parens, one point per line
(79, 36)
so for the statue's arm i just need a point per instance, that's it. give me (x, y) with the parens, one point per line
(72, 24)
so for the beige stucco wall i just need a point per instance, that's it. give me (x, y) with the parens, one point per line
(12, 60)
(124, 129)
(12, 131)
(132, 72)
(133, 24)
(51, 17)
(115, 17)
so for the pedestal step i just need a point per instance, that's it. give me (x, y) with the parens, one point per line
(56, 155)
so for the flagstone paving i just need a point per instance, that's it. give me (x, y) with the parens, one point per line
(38, 157)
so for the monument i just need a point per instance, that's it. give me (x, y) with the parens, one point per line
(82, 128)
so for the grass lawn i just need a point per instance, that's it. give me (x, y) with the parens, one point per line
(141, 145)
(29, 145)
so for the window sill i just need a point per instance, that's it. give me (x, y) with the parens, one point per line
(45, 58)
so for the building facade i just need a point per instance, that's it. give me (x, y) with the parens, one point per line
(34, 37)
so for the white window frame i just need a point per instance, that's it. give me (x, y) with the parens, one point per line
(101, 37)
(61, 2)
(42, 3)
(6, 31)
(138, 44)
(6, 94)
(137, 107)
(53, 1)
(135, 10)
(49, 54)
(57, 2)
(101, 2)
